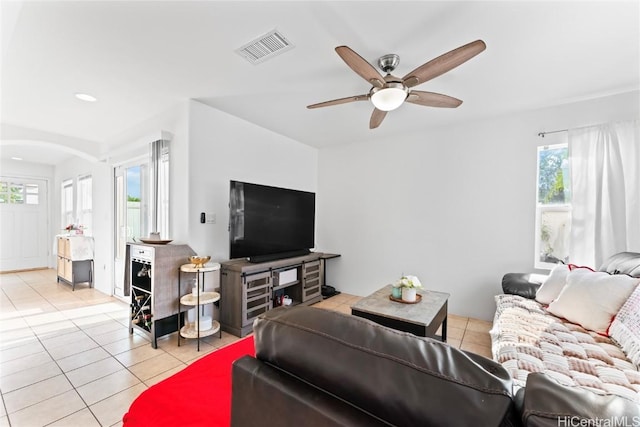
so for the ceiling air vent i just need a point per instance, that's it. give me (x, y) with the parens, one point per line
(265, 47)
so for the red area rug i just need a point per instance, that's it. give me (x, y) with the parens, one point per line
(198, 395)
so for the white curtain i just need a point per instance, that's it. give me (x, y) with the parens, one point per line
(605, 175)
(160, 187)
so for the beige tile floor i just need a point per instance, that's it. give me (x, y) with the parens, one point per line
(67, 358)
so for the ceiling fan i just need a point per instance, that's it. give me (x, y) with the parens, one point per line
(390, 92)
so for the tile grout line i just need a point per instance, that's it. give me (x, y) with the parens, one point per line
(6, 414)
(74, 388)
(59, 367)
(146, 360)
(87, 406)
(10, 300)
(52, 359)
(182, 364)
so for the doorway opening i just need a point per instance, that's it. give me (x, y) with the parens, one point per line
(132, 214)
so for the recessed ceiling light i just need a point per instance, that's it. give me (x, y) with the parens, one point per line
(16, 158)
(86, 97)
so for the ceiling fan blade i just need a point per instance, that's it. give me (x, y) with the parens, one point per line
(360, 66)
(376, 118)
(340, 101)
(431, 99)
(443, 63)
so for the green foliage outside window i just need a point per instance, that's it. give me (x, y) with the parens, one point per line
(554, 204)
(11, 193)
(552, 179)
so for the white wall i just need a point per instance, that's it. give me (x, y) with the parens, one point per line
(135, 142)
(25, 169)
(223, 147)
(454, 206)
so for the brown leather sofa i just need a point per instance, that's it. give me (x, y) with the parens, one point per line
(315, 367)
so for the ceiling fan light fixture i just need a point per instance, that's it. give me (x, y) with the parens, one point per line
(389, 97)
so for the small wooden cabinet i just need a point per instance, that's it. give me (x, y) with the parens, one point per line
(153, 280)
(75, 260)
(251, 289)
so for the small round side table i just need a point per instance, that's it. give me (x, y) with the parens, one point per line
(199, 300)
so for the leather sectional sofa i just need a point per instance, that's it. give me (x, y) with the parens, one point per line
(527, 284)
(551, 326)
(321, 368)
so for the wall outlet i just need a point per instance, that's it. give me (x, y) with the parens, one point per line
(211, 218)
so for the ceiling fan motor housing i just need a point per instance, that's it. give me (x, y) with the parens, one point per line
(388, 63)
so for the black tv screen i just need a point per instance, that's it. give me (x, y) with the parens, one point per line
(270, 222)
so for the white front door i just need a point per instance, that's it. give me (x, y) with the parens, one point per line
(23, 224)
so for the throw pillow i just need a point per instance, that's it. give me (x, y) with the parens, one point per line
(575, 267)
(625, 328)
(592, 299)
(550, 288)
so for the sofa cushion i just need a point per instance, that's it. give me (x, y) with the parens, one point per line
(267, 396)
(549, 404)
(623, 263)
(555, 282)
(390, 374)
(625, 328)
(526, 338)
(592, 299)
(551, 287)
(523, 284)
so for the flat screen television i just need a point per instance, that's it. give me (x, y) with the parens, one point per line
(267, 223)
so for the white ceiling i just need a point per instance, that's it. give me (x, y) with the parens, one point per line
(139, 58)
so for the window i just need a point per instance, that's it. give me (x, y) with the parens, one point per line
(66, 203)
(31, 194)
(553, 207)
(4, 192)
(76, 201)
(137, 202)
(85, 202)
(19, 194)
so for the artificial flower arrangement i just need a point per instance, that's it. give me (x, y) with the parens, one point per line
(76, 229)
(408, 282)
(405, 288)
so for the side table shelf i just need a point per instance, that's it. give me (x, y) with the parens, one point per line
(190, 331)
(198, 301)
